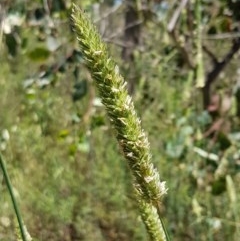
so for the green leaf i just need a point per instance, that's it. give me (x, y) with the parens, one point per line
(63, 133)
(39, 54)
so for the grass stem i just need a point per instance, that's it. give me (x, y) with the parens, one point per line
(14, 202)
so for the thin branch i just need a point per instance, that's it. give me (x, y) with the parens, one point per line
(106, 15)
(219, 66)
(136, 23)
(117, 43)
(172, 32)
(2, 19)
(182, 49)
(48, 12)
(210, 54)
(46, 7)
(176, 15)
(222, 36)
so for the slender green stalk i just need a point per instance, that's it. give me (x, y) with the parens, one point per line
(14, 202)
(199, 58)
(120, 109)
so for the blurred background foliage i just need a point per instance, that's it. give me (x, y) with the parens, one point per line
(67, 171)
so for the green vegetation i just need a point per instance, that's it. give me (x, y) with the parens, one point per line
(66, 169)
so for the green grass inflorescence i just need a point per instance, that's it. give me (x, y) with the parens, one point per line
(120, 109)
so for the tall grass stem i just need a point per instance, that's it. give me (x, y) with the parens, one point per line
(14, 202)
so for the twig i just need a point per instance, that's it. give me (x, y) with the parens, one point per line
(200, 78)
(48, 12)
(2, 18)
(117, 43)
(222, 36)
(136, 23)
(106, 15)
(176, 15)
(218, 68)
(172, 32)
(211, 77)
(210, 54)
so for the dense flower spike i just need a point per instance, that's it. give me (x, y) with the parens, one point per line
(120, 109)
(151, 219)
